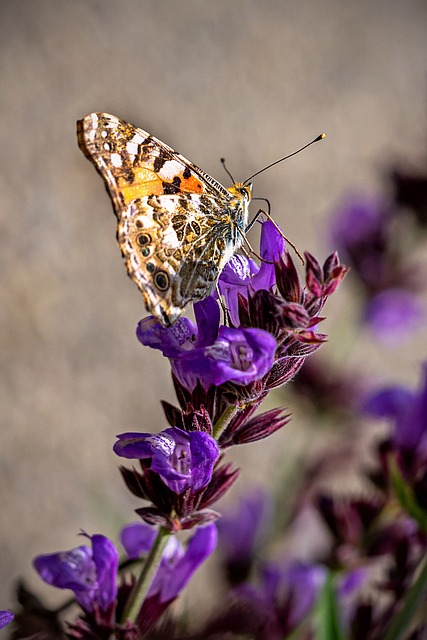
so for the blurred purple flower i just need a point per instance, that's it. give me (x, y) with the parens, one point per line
(296, 583)
(286, 595)
(408, 411)
(6, 617)
(89, 572)
(394, 314)
(210, 353)
(364, 234)
(178, 564)
(407, 445)
(352, 581)
(137, 539)
(241, 531)
(181, 459)
(242, 276)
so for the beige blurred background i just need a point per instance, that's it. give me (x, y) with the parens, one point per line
(245, 79)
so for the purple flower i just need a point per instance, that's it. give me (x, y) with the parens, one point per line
(90, 572)
(394, 314)
(137, 539)
(286, 595)
(408, 411)
(181, 459)
(364, 233)
(296, 582)
(210, 353)
(241, 531)
(242, 276)
(178, 564)
(237, 355)
(6, 617)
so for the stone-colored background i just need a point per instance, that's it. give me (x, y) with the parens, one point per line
(249, 80)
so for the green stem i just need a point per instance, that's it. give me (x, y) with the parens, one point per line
(413, 598)
(223, 422)
(145, 579)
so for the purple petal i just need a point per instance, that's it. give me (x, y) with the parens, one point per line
(106, 558)
(272, 242)
(199, 548)
(207, 316)
(72, 569)
(171, 340)
(236, 279)
(204, 454)
(6, 617)
(90, 573)
(137, 539)
(239, 270)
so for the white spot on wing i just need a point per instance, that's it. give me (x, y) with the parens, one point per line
(137, 138)
(132, 148)
(116, 160)
(170, 169)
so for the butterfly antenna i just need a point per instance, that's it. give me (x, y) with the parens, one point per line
(319, 137)
(227, 171)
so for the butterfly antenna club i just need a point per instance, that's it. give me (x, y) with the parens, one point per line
(321, 136)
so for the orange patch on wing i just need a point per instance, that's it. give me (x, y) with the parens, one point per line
(191, 185)
(145, 183)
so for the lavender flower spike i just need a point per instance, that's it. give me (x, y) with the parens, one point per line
(90, 572)
(181, 459)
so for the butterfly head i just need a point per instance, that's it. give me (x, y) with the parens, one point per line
(241, 190)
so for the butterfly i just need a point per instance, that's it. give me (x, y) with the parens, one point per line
(177, 226)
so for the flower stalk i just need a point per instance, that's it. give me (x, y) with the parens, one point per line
(224, 420)
(146, 577)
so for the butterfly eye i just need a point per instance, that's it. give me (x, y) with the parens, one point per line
(143, 239)
(161, 280)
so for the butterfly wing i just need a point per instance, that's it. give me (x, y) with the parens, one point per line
(134, 164)
(174, 226)
(175, 248)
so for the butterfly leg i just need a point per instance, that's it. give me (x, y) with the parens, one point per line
(225, 311)
(258, 213)
(268, 216)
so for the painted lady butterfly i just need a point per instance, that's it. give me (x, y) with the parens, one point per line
(177, 226)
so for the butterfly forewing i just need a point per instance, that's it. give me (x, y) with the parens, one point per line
(176, 225)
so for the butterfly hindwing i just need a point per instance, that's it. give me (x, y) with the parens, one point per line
(170, 250)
